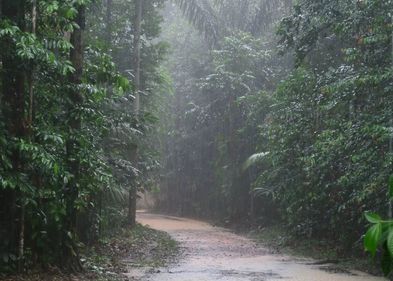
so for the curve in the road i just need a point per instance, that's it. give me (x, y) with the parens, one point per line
(212, 253)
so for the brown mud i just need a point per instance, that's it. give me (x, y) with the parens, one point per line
(213, 253)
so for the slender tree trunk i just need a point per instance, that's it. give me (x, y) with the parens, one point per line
(1, 58)
(137, 85)
(109, 23)
(76, 99)
(137, 56)
(252, 207)
(31, 85)
(75, 124)
(21, 247)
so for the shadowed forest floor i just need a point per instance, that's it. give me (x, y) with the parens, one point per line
(111, 258)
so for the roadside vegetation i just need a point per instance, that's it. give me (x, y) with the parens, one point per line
(76, 113)
(111, 258)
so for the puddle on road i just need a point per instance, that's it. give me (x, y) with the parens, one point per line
(212, 253)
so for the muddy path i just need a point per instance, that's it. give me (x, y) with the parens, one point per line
(212, 253)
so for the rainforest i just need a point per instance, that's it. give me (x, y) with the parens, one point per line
(132, 131)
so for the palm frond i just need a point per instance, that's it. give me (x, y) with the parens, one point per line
(116, 193)
(260, 192)
(218, 18)
(254, 159)
(203, 16)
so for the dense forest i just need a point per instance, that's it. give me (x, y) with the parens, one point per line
(281, 115)
(249, 111)
(74, 145)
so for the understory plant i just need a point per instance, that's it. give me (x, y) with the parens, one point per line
(378, 239)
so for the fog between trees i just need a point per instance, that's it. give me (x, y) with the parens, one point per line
(252, 112)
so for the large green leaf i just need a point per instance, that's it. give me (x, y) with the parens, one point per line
(372, 217)
(372, 238)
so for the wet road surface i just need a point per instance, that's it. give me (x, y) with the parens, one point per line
(213, 253)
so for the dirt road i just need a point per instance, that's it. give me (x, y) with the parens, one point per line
(212, 253)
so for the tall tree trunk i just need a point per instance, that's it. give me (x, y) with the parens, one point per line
(14, 111)
(21, 246)
(137, 85)
(109, 23)
(72, 144)
(31, 85)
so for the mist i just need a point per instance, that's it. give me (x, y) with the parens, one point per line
(245, 133)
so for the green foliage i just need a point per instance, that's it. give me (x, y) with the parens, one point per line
(330, 125)
(322, 110)
(220, 97)
(379, 236)
(66, 130)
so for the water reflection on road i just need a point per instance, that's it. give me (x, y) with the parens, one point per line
(212, 253)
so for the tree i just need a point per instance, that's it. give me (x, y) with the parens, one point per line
(13, 109)
(66, 125)
(137, 88)
(76, 101)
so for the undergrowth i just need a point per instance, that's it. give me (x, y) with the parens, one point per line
(114, 256)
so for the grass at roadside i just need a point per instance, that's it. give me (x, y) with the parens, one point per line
(110, 258)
